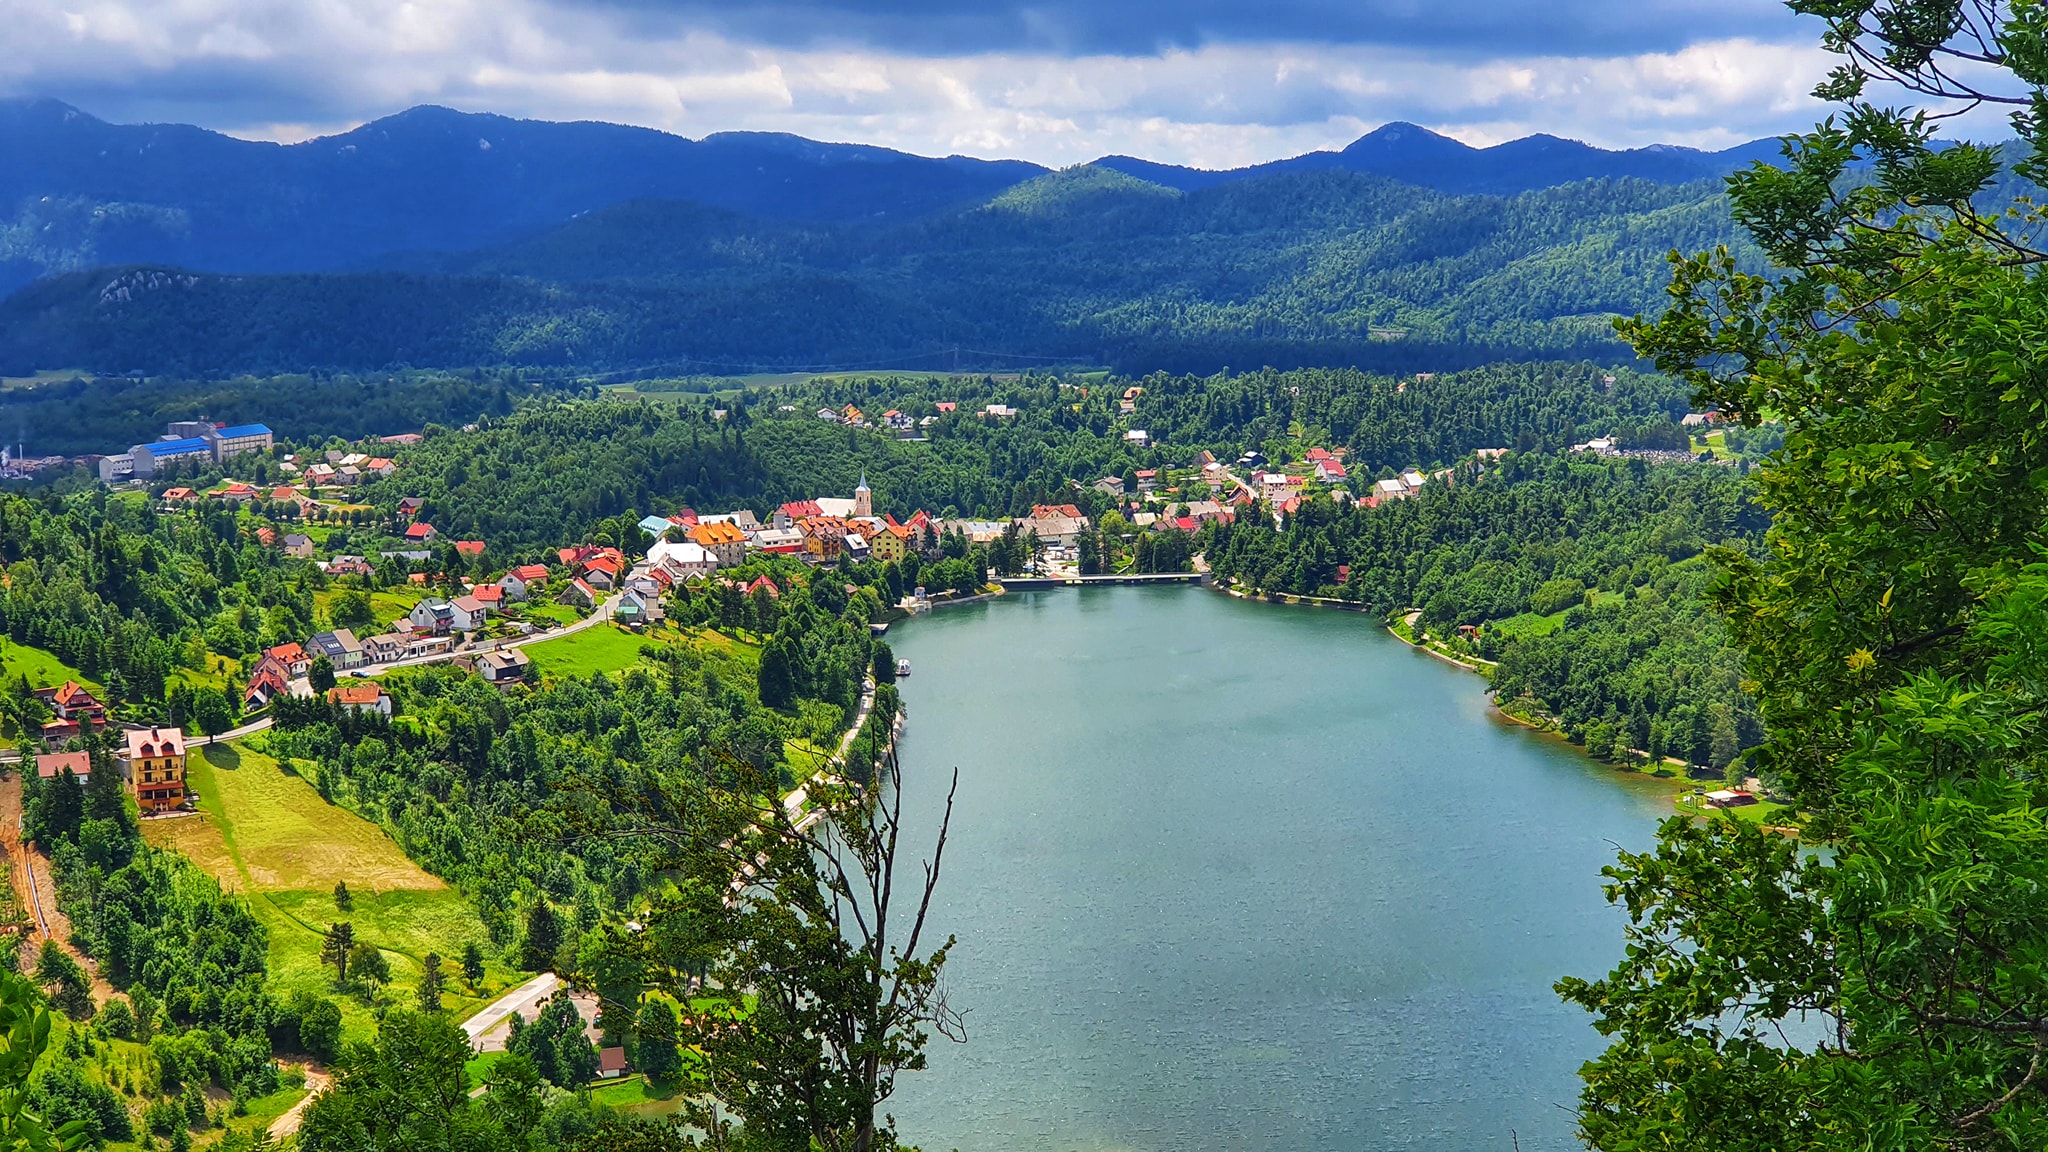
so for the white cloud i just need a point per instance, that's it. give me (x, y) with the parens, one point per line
(283, 69)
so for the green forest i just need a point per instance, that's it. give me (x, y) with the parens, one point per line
(1086, 265)
(556, 468)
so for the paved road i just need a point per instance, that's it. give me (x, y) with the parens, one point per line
(528, 999)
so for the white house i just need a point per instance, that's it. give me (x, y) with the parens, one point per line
(685, 556)
(433, 616)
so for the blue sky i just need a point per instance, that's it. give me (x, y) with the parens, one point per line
(1211, 82)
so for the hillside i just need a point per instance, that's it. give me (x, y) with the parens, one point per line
(1088, 264)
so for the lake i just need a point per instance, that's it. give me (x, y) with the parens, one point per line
(1229, 875)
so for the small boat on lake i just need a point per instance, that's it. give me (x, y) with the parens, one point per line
(903, 668)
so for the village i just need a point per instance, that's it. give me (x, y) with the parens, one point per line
(481, 620)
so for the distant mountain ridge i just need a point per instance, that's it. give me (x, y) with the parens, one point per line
(1415, 155)
(77, 192)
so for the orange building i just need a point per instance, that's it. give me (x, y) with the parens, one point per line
(154, 765)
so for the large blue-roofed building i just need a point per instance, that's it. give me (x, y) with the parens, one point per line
(185, 438)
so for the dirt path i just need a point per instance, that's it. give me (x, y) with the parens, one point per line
(316, 1083)
(35, 887)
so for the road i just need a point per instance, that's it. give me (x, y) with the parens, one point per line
(316, 1083)
(527, 999)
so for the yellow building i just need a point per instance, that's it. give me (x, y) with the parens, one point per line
(887, 541)
(154, 765)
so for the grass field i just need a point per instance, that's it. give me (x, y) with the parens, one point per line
(387, 605)
(599, 648)
(41, 668)
(561, 614)
(634, 1095)
(1527, 624)
(266, 833)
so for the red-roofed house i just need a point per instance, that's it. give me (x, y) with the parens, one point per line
(420, 532)
(579, 593)
(71, 701)
(55, 763)
(520, 582)
(173, 494)
(760, 582)
(491, 596)
(601, 572)
(470, 547)
(292, 656)
(266, 683)
(1055, 511)
(1329, 471)
(361, 696)
(789, 514)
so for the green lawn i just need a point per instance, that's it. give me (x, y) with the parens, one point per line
(540, 610)
(633, 1094)
(1761, 812)
(42, 669)
(599, 648)
(387, 605)
(1528, 624)
(266, 833)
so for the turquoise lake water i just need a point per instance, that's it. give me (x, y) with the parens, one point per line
(1230, 875)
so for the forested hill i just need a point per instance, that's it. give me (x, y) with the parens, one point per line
(1085, 265)
(77, 192)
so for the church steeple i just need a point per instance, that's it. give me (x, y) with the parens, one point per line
(863, 500)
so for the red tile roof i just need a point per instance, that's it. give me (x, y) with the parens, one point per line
(528, 573)
(470, 547)
(55, 763)
(357, 692)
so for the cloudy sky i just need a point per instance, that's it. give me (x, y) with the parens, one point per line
(1216, 83)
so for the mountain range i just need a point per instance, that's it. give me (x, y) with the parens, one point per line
(439, 237)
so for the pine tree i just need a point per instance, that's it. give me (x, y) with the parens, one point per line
(432, 979)
(337, 948)
(543, 936)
